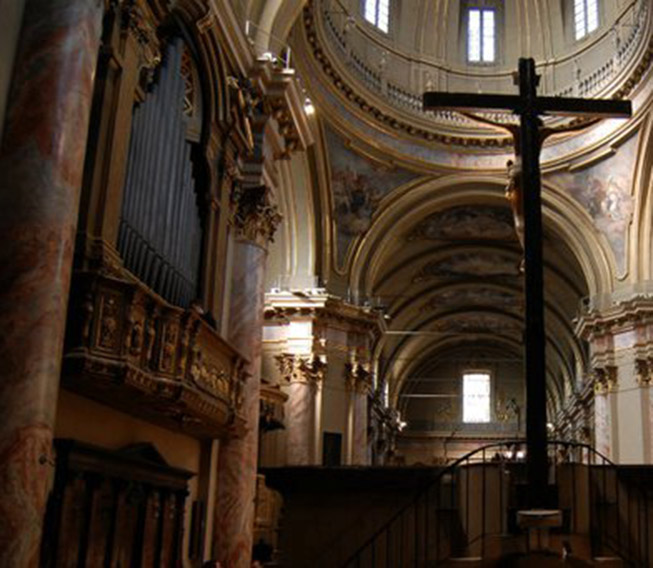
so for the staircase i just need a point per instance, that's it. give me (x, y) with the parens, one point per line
(468, 516)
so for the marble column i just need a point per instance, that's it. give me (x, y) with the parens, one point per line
(41, 160)
(359, 454)
(602, 422)
(300, 419)
(233, 529)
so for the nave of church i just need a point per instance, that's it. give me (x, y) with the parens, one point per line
(260, 308)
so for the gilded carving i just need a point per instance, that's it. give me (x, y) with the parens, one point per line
(605, 379)
(206, 22)
(255, 217)
(357, 377)
(643, 372)
(246, 99)
(135, 338)
(138, 20)
(150, 335)
(286, 365)
(108, 333)
(312, 369)
(88, 309)
(184, 343)
(204, 376)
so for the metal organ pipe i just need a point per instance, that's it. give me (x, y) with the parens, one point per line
(160, 234)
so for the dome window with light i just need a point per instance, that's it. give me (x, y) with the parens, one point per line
(377, 13)
(481, 35)
(586, 17)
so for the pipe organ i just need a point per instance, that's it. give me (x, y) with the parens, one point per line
(160, 235)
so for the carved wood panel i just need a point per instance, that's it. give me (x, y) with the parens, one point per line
(114, 508)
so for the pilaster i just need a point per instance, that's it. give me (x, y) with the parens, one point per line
(621, 355)
(319, 348)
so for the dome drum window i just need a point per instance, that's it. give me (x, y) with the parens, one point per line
(586, 17)
(481, 35)
(377, 13)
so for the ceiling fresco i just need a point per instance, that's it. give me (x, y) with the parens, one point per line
(450, 299)
(473, 264)
(605, 192)
(358, 185)
(468, 222)
(470, 323)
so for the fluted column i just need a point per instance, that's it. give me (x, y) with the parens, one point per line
(41, 160)
(256, 221)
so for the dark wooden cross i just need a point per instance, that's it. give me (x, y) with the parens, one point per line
(529, 107)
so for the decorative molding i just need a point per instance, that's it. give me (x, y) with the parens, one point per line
(137, 19)
(255, 217)
(309, 369)
(312, 369)
(286, 364)
(644, 371)
(358, 378)
(325, 310)
(605, 379)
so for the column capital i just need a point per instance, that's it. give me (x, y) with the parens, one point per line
(307, 369)
(605, 379)
(255, 216)
(358, 378)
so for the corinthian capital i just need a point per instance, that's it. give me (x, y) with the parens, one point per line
(357, 377)
(255, 217)
(312, 369)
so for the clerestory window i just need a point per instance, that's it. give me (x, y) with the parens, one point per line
(481, 35)
(377, 13)
(476, 397)
(586, 17)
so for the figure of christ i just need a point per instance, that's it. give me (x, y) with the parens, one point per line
(514, 189)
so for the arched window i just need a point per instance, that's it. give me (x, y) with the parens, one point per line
(377, 13)
(586, 17)
(476, 397)
(481, 35)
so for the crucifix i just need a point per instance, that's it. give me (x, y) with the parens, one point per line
(528, 139)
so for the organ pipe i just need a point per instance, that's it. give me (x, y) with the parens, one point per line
(160, 235)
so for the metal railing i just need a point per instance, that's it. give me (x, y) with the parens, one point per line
(478, 496)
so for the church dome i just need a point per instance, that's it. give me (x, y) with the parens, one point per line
(379, 63)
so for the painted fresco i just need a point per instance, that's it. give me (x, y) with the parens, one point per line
(604, 190)
(467, 222)
(478, 323)
(478, 296)
(358, 186)
(479, 264)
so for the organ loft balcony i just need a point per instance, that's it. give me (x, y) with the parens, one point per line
(128, 348)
